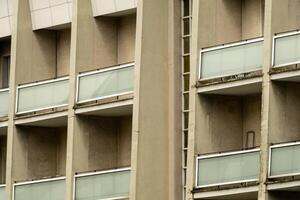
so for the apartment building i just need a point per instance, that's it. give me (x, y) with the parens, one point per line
(149, 99)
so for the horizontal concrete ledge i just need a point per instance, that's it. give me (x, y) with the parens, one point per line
(56, 119)
(3, 124)
(118, 108)
(240, 87)
(287, 76)
(284, 186)
(227, 193)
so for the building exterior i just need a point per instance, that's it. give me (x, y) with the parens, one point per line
(149, 99)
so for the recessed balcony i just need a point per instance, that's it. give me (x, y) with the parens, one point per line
(227, 168)
(50, 14)
(6, 18)
(4, 96)
(47, 189)
(113, 7)
(2, 192)
(227, 64)
(113, 184)
(284, 160)
(286, 57)
(43, 95)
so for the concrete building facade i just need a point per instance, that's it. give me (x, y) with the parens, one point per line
(149, 99)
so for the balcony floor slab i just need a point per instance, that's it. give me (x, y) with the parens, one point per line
(239, 88)
(229, 194)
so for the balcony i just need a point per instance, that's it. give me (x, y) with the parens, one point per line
(113, 184)
(284, 160)
(42, 95)
(6, 18)
(48, 189)
(286, 49)
(105, 83)
(227, 168)
(2, 192)
(218, 61)
(4, 95)
(49, 14)
(113, 7)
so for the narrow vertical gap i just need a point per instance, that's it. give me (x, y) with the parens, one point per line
(56, 52)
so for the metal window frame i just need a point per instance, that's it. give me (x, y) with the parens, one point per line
(35, 182)
(37, 84)
(277, 146)
(99, 173)
(216, 155)
(282, 35)
(99, 71)
(225, 46)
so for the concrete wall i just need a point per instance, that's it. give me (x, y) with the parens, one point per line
(63, 45)
(285, 15)
(284, 112)
(224, 21)
(105, 142)
(4, 51)
(112, 40)
(43, 152)
(224, 122)
(3, 146)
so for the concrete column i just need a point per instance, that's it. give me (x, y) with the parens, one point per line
(266, 87)
(193, 102)
(150, 142)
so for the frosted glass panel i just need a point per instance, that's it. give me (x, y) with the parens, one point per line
(227, 169)
(4, 103)
(287, 50)
(103, 186)
(285, 160)
(232, 60)
(105, 84)
(2, 193)
(42, 96)
(51, 190)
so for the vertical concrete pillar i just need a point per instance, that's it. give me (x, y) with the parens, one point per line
(266, 87)
(150, 142)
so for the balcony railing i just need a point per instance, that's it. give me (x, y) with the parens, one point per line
(42, 95)
(227, 168)
(231, 59)
(105, 83)
(112, 184)
(48, 189)
(284, 160)
(4, 95)
(286, 49)
(2, 192)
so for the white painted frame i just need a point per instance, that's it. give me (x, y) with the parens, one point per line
(225, 46)
(36, 84)
(270, 159)
(99, 71)
(223, 155)
(35, 182)
(99, 173)
(281, 35)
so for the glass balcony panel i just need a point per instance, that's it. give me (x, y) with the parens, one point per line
(2, 193)
(287, 50)
(227, 169)
(48, 190)
(103, 186)
(4, 95)
(105, 84)
(285, 160)
(231, 60)
(43, 96)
